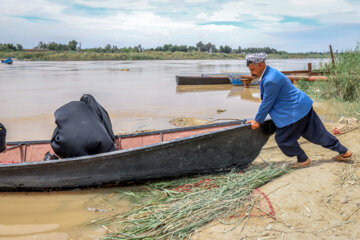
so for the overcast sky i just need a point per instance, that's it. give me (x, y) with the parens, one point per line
(294, 25)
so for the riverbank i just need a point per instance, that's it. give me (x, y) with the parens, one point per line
(318, 202)
(146, 55)
(321, 201)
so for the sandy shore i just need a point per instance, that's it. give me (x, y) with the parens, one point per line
(318, 202)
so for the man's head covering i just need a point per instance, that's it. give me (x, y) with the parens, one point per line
(255, 58)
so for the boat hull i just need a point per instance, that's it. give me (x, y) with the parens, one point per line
(221, 150)
(201, 80)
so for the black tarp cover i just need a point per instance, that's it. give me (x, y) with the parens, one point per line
(2, 138)
(83, 128)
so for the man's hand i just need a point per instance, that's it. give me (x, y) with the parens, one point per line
(254, 124)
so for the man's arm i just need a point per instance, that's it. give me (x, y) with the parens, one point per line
(271, 93)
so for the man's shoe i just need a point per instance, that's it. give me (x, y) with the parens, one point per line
(301, 164)
(344, 157)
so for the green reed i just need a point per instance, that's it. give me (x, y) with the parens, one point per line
(172, 214)
(343, 86)
(344, 79)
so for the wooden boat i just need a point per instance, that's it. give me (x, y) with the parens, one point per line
(202, 80)
(241, 79)
(7, 61)
(234, 77)
(143, 156)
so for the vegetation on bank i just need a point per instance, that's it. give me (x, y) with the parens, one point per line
(176, 209)
(344, 82)
(10, 47)
(73, 52)
(200, 47)
(146, 55)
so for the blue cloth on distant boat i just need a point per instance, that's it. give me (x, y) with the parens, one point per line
(8, 60)
(284, 102)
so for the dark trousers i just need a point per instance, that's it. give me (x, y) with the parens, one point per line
(312, 129)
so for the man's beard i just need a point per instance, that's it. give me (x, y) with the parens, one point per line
(254, 75)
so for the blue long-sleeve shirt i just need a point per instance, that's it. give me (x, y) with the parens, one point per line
(284, 102)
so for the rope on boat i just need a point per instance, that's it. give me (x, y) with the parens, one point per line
(224, 119)
(13, 147)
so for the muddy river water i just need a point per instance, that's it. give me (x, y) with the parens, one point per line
(145, 97)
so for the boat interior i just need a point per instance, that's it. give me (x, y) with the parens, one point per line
(35, 151)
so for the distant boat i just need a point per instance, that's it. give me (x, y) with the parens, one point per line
(7, 61)
(202, 80)
(222, 78)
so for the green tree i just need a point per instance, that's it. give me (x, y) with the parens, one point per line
(159, 49)
(200, 46)
(192, 49)
(107, 48)
(183, 48)
(72, 45)
(42, 45)
(227, 49)
(19, 47)
(167, 47)
(114, 48)
(11, 46)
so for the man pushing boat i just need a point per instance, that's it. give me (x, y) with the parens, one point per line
(292, 112)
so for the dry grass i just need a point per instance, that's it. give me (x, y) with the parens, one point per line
(173, 214)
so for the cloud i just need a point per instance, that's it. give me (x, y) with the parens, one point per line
(36, 19)
(301, 20)
(242, 24)
(79, 9)
(295, 25)
(114, 4)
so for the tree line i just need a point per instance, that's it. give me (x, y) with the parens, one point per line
(108, 48)
(10, 47)
(71, 46)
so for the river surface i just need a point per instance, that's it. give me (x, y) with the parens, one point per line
(145, 97)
